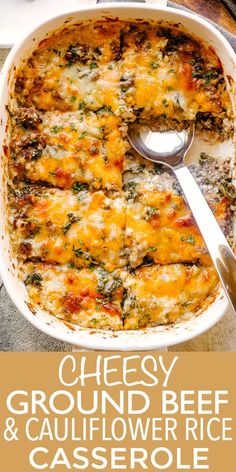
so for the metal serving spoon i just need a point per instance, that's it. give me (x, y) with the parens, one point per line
(170, 148)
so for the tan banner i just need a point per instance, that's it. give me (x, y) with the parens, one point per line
(132, 411)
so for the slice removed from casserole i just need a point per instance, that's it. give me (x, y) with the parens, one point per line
(60, 226)
(161, 294)
(88, 297)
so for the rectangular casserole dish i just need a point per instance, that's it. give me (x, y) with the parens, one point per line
(151, 338)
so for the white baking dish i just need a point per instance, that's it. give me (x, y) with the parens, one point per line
(152, 338)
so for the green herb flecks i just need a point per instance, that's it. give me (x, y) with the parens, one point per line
(56, 129)
(78, 187)
(93, 149)
(154, 65)
(211, 75)
(93, 65)
(104, 110)
(73, 127)
(85, 255)
(83, 134)
(189, 239)
(72, 219)
(152, 249)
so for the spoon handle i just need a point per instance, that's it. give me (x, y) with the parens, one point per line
(218, 247)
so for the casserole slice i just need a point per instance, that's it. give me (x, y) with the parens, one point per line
(170, 76)
(74, 66)
(161, 229)
(88, 297)
(83, 228)
(64, 149)
(94, 298)
(161, 294)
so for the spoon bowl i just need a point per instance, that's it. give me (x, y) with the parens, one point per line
(164, 147)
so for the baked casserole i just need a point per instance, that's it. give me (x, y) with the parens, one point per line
(103, 238)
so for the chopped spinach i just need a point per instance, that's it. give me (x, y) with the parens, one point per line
(85, 255)
(105, 109)
(78, 186)
(228, 189)
(36, 154)
(82, 105)
(106, 284)
(78, 252)
(131, 190)
(33, 279)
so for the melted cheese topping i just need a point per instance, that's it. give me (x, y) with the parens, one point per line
(159, 225)
(161, 294)
(69, 148)
(155, 70)
(82, 229)
(85, 210)
(77, 296)
(93, 298)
